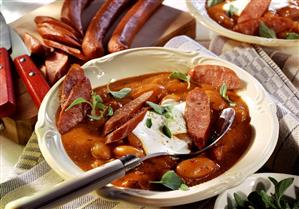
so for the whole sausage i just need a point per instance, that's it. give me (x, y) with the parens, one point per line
(131, 23)
(254, 10)
(71, 13)
(124, 113)
(198, 116)
(92, 45)
(215, 76)
(53, 21)
(56, 66)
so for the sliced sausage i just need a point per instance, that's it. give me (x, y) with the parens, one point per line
(124, 113)
(217, 13)
(290, 12)
(124, 130)
(254, 10)
(57, 33)
(131, 23)
(34, 45)
(92, 45)
(250, 27)
(70, 118)
(75, 75)
(53, 21)
(56, 66)
(215, 76)
(278, 24)
(71, 13)
(69, 50)
(198, 116)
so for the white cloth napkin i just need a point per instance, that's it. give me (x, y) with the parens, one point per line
(36, 175)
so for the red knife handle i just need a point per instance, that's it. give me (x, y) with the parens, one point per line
(32, 77)
(7, 98)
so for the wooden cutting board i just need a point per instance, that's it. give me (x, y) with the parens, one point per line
(166, 23)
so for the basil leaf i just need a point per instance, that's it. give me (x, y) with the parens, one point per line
(213, 2)
(166, 131)
(232, 10)
(181, 76)
(292, 35)
(223, 93)
(110, 111)
(148, 122)
(77, 101)
(157, 108)
(265, 31)
(171, 180)
(121, 93)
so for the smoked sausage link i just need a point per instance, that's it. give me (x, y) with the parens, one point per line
(131, 23)
(92, 45)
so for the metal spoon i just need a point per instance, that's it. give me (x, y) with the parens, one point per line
(101, 176)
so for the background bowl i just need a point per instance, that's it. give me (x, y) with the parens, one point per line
(147, 60)
(198, 9)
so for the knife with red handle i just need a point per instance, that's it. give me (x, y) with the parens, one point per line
(7, 98)
(32, 77)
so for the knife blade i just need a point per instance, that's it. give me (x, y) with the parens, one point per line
(7, 98)
(32, 77)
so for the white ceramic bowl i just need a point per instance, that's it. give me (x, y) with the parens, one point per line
(147, 60)
(198, 10)
(251, 183)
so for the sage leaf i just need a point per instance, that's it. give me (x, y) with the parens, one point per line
(171, 180)
(110, 111)
(77, 101)
(157, 108)
(292, 35)
(166, 131)
(223, 93)
(181, 76)
(281, 187)
(121, 93)
(148, 122)
(213, 2)
(265, 31)
(239, 201)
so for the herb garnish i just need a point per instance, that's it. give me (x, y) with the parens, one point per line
(223, 93)
(181, 76)
(166, 131)
(232, 10)
(96, 104)
(261, 200)
(171, 180)
(119, 94)
(292, 35)
(157, 108)
(148, 122)
(265, 31)
(213, 2)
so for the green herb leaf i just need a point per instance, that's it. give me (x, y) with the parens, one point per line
(77, 101)
(166, 131)
(110, 111)
(265, 31)
(239, 201)
(232, 10)
(181, 76)
(292, 35)
(95, 117)
(157, 108)
(213, 2)
(148, 122)
(223, 93)
(100, 106)
(281, 187)
(184, 187)
(171, 180)
(121, 93)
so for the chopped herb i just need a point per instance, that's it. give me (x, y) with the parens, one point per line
(292, 36)
(110, 111)
(166, 131)
(181, 76)
(223, 93)
(157, 108)
(213, 2)
(121, 93)
(78, 101)
(148, 122)
(171, 180)
(232, 10)
(265, 31)
(260, 199)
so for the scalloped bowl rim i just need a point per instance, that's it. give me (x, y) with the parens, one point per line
(198, 10)
(258, 102)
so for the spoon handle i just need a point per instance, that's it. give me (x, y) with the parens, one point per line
(68, 190)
